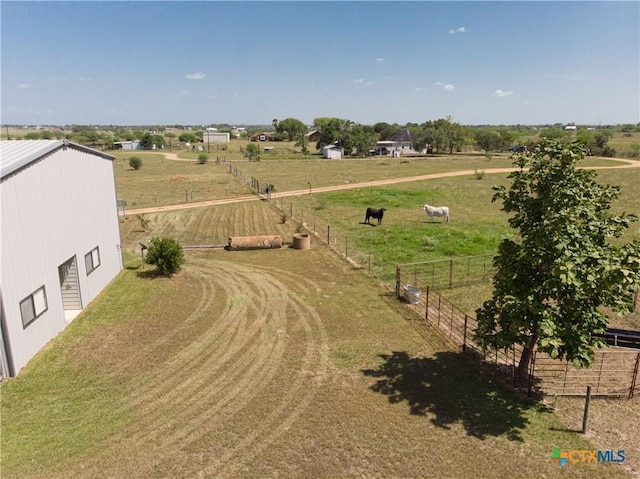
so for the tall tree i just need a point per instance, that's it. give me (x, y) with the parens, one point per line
(293, 130)
(454, 133)
(333, 131)
(361, 139)
(552, 281)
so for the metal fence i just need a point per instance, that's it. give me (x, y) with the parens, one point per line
(614, 372)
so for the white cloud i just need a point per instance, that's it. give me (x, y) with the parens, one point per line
(196, 76)
(24, 86)
(501, 93)
(379, 59)
(458, 30)
(445, 86)
(362, 81)
(184, 92)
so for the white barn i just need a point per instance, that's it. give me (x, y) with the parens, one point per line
(59, 244)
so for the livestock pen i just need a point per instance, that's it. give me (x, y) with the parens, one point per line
(614, 372)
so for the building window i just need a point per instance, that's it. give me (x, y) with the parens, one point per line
(92, 260)
(33, 306)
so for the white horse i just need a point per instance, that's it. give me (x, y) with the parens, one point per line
(437, 211)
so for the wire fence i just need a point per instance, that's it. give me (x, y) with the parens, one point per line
(614, 372)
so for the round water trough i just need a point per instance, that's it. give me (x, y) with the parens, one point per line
(411, 294)
(301, 241)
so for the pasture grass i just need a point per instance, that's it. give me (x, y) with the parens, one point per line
(266, 363)
(286, 363)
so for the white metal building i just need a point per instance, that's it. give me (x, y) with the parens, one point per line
(59, 243)
(215, 137)
(333, 152)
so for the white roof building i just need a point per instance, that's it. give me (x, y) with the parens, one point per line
(59, 243)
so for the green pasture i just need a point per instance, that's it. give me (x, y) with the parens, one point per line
(288, 363)
(161, 181)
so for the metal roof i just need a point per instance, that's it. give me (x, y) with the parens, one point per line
(16, 154)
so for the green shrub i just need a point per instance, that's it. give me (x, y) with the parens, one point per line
(166, 253)
(135, 162)
(202, 158)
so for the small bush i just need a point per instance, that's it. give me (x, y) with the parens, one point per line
(284, 218)
(166, 254)
(479, 174)
(202, 158)
(135, 162)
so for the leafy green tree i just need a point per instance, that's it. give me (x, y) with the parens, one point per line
(252, 152)
(431, 138)
(361, 139)
(292, 130)
(488, 140)
(553, 279)
(385, 130)
(187, 138)
(146, 142)
(454, 133)
(165, 253)
(333, 131)
(597, 143)
(135, 162)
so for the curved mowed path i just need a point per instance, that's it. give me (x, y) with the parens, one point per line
(249, 332)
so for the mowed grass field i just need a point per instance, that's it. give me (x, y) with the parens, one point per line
(287, 363)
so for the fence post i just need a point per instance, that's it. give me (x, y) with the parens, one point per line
(397, 278)
(532, 370)
(634, 377)
(450, 273)
(426, 309)
(464, 335)
(585, 418)
(328, 234)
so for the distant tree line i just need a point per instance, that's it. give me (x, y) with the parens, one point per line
(442, 136)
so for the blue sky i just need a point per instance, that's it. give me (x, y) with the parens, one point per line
(196, 63)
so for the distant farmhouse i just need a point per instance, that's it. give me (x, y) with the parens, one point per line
(314, 135)
(60, 240)
(398, 144)
(263, 136)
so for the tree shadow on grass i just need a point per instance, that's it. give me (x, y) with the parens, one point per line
(453, 390)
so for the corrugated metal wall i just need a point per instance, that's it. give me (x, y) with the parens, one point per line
(59, 207)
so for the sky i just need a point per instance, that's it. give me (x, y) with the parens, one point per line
(247, 63)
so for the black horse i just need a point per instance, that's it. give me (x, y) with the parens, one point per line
(376, 213)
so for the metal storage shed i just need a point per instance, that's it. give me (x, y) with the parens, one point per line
(59, 243)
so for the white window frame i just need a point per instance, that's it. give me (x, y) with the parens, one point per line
(33, 306)
(92, 260)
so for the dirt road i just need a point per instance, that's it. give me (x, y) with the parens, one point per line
(350, 186)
